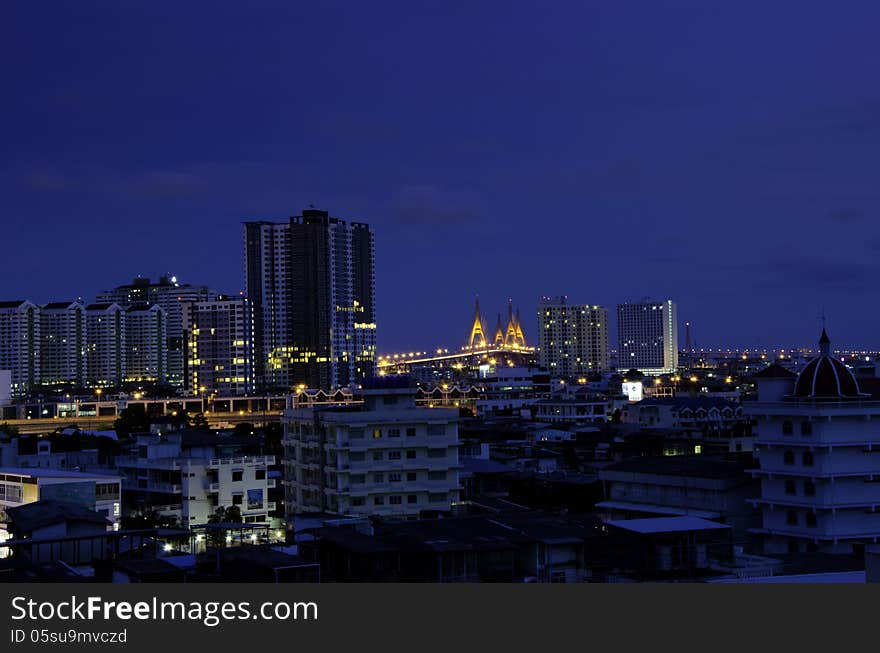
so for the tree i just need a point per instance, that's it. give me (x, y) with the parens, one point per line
(227, 515)
(149, 519)
(133, 419)
(199, 421)
(8, 429)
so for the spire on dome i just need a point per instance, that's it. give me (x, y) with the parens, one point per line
(824, 343)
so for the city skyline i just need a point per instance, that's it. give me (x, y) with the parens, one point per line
(735, 199)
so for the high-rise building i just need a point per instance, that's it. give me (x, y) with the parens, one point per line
(63, 343)
(105, 344)
(647, 336)
(817, 458)
(379, 456)
(146, 343)
(573, 337)
(267, 279)
(170, 295)
(20, 344)
(219, 337)
(313, 287)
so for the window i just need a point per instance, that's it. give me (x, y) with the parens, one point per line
(811, 520)
(436, 453)
(789, 487)
(393, 455)
(260, 474)
(788, 457)
(378, 477)
(395, 500)
(787, 428)
(807, 459)
(411, 454)
(437, 497)
(357, 501)
(378, 501)
(394, 477)
(377, 455)
(412, 498)
(436, 429)
(809, 489)
(436, 476)
(237, 499)
(357, 456)
(791, 517)
(412, 476)
(806, 427)
(237, 475)
(389, 401)
(393, 433)
(411, 431)
(355, 434)
(358, 479)
(377, 433)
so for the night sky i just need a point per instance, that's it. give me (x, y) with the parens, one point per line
(725, 156)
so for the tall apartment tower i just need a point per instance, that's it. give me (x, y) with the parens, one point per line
(219, 336)
(170, 295)
(573, 337)
(312, 283)
(267, 279)
(63, 343)
(647, 336)
(20, 344)
(105, 344)
(146, 343)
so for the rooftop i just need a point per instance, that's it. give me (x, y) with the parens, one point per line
(652, 525)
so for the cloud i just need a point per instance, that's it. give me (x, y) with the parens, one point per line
(168, 184)
(46, 181)
(430, 204)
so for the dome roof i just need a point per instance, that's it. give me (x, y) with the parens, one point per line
(826, 377)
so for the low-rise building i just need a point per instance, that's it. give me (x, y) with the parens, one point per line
(378, 454)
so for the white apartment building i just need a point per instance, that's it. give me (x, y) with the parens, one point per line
(63, 343)
(170, 295)
(219, 337)
(98, 492)
(573, 337)
(182, 475)
(818, 449)
(105, 344)
(20, 344)
(146, 343)
(647, 336)
(380, 455)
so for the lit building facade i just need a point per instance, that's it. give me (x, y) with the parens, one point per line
(219, 336)
(647, 337)
(171, 296)
(99, 492)
(63, 343)
(146, 343)
(312, 282)
(183, 476)
(382, 456)
(817, 450)
(573, 337)
(105, 345)
(20, 344)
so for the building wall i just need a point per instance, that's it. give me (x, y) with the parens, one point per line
(387, 459)
(573, 338)
(20, 344)
(219, 340)
(647, 336)
(63, 344)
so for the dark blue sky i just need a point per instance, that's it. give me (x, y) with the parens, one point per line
(726, 156)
